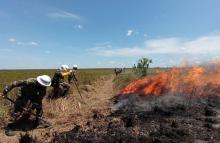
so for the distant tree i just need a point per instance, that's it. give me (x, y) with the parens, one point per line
(143, 65)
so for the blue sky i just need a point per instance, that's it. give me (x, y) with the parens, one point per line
(107, 33)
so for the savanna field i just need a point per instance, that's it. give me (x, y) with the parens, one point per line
(85, 75)
(167, 105)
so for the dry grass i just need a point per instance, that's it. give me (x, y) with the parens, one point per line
(57, 108)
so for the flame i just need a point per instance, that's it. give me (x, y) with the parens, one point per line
(196, 81)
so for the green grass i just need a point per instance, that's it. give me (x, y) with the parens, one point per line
(84, 76)
(124, 79)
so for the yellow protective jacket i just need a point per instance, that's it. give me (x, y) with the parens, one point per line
(59, 77)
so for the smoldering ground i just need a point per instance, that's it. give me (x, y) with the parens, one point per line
(152, 119)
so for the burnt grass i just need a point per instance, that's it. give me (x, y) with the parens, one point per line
(147, 119)
(26, 138)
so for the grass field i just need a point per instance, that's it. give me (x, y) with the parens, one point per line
(84, 75)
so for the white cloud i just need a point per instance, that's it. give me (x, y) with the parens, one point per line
(12, 40)
(200, 45)
(79, 26)
(130, 32)
(19, 43)
(103, 43)
(101, 46)
(65, 15)
(32, 43)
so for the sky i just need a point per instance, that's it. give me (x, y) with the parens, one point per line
(107, 33)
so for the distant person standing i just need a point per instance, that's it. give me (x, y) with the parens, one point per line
(124, 69)
(60, 87)
(118, 71)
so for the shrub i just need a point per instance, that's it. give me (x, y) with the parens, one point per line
(142, 66)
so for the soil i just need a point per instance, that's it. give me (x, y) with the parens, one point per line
(102, 116)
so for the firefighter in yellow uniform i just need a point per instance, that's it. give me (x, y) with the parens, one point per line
(60, 87)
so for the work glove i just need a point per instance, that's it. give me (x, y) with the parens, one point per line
(35, 106)
(5, 91)
(15, 116)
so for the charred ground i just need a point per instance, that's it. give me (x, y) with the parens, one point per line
(184, 120)
(180, 105)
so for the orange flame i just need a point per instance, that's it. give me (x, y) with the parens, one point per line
(189, 81)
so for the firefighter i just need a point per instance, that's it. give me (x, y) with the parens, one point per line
(72, 76)
(58, 82)
(31, 91)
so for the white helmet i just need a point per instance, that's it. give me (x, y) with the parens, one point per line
(75, 67)
(64, 68)
(44, 80)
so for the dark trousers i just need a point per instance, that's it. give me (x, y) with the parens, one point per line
(60, 89)
(22, 103)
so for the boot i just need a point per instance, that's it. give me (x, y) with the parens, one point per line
(43, 124)
(65, 93)
(9, 132)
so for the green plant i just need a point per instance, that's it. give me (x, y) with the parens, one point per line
(143, 66)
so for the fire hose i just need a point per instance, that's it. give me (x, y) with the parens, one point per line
(22, 108)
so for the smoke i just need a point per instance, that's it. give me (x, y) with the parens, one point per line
(134, 102)
(187, 88)
(166, 104)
